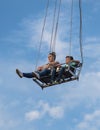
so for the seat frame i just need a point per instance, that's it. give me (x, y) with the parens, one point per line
(44, 81)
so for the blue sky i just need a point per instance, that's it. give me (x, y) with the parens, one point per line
(70, 106)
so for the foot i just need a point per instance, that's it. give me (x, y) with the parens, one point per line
(59, 81)
(53, 82)
(20, 74)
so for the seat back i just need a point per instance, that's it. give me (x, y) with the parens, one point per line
(73, 70)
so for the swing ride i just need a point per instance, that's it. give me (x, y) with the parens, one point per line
(65, 72)
(72, 72)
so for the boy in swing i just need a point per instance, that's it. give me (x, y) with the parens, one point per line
(69, 61)
(42, 70)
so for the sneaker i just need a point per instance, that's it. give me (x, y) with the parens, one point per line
(54, 82)
(59, 81)
(50, 83)
(20, 74)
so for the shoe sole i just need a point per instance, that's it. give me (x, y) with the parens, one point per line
(17, 71)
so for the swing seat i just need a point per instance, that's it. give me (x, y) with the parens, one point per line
(70, 74)
(73, 72)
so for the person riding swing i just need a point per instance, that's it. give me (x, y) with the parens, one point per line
(69, 65)
(43, 70)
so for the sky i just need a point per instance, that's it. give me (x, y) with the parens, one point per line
(70, 106)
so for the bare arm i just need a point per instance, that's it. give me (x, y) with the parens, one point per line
(54, 64)
(40, 68)
(43, 67)
(46, 66)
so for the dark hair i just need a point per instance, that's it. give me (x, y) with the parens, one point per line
(53, 54)
(71, 57)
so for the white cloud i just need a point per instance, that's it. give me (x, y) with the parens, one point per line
(90, 117)
(55, 112)
(92, 40)
(90, 121)
(33, 115)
